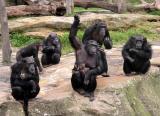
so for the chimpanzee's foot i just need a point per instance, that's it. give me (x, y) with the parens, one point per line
(105, 74)
(33, 91)
(80, 91)
(87, 94)
(128, 75)
(91, 98)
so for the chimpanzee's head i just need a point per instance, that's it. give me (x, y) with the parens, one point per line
(100, 31)
(139, 41)
(91, 47)
(28, 67)
(53, 38)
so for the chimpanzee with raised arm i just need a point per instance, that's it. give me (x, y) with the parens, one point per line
(88, 63)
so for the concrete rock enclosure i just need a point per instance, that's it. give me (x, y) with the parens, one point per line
(117, 95)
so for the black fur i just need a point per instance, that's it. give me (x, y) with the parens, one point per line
(137, 53)
(51, 50)
(30, 50)
(87, 65)
(94, 33)
(24, 81)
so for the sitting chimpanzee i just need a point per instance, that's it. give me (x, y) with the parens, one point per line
(137, 53)
(99, 32)
(30, 50)
(51, 50)
(25, 81)
(88, 63)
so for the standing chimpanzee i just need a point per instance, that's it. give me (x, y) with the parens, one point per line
(25, 81)
(137, 53)
(99, 32)
(30, 50)
(88, 63)
(51, 50)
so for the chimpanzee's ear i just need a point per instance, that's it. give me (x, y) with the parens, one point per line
(145, 39)
(132, 37)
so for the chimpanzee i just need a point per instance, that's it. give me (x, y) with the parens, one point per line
(25, 81)
(30, 50)
(99, 32)
(88, 63)
(51, 50)
(137, 53)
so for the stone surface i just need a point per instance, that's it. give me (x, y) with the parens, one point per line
(114, 21)
(58, 98)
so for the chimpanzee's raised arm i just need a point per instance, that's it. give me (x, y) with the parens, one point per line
(73, 32)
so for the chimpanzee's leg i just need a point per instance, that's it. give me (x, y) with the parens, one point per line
(127, 67)
(55, 58)
(145, 67)
(90, 88)
(17, 93)
(44, 60)
(77, 81)
(105, 64)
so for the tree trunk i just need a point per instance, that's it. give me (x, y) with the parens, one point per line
(6, 48)
(157, 4)
(69, 6)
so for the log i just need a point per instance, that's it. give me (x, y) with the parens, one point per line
(23, 10)
(115, 7)
(98, 4)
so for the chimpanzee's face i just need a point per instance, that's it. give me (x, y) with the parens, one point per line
(27, 68)
(54, 39)
(91, 47)
(139, 42)
(102, 32)
(92, 50)
(99, 33)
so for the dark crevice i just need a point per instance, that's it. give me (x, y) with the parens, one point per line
(60, 11)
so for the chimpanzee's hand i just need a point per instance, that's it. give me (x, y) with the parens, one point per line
(130, 59)
(76, 18)
(86, 81)
(133, 50)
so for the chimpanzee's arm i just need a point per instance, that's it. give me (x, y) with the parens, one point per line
(125, 54)
(73, 32)
(145, 53)
(97, 70)
(35, 56)
(58, 48)
(107, 41)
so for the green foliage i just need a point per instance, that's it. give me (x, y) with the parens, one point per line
(120, 37)
(20, 40)
(155, 12)
(135, 102)
(80, 9)
(66, 47)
